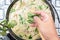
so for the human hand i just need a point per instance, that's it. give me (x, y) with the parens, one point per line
(46, 26)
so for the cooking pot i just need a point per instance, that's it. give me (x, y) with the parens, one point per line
(53, 12)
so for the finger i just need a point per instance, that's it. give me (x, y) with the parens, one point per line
(44, 16)
(33, 25)
(37, 20)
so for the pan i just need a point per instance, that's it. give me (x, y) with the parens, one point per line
(53, 12)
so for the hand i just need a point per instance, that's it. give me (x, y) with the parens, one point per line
(46, 26)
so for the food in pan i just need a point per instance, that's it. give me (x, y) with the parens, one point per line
(22, 14)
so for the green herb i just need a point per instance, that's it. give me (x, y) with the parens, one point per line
(9, 25)
(30, 37)
(4, 21)
(46, 6)
(30, 17)
(32, 3)
(12, 24)
(36, 30)
(21, 1)
(30, 20)
(22, 20)
(12, 10)
(3, 33)
(20, 36)
(27, 27)
(3, 30)
(30, 14)
(42, 7)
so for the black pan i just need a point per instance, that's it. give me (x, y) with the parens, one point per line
(53, 11)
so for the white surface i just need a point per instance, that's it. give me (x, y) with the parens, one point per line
(8, 2)
(57, 3)
(1, 15)
(1, 2)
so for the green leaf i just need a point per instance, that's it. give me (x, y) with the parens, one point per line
(21, 1)
(12, 24)
(30, 37)
(3, 33)
(27, 27)
(12, 10)
(36, 30)
(30, 17)
(22, 21)
(30, 20)
(30, 14)
(42, 7)
(4, 21)
(20, 36)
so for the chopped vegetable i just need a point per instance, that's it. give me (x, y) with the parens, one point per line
(20, 36)
(30, 37)
(3, 30)
(27, 27)
(30, 20)
(21, 1)
(36, 30)
(3, 33)
(30, 17)
(30, 14)
(4, 21)
(42, 7)
(12, 10)
(12, 24)
(22, 20)
(46, 6)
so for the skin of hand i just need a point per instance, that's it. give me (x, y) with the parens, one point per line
(46, 26)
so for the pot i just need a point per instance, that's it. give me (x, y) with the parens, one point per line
(53, 11)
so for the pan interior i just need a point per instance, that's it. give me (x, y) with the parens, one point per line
(21, 15)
